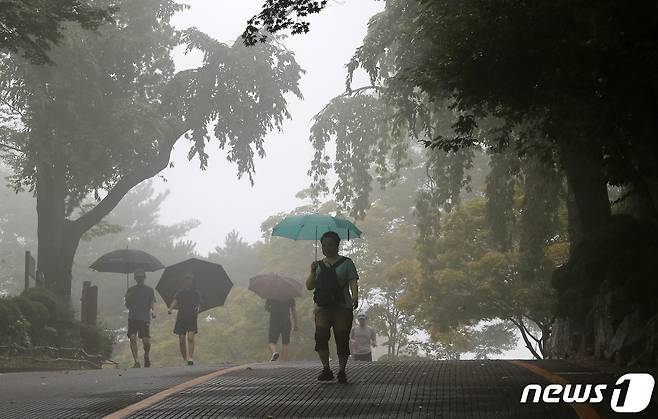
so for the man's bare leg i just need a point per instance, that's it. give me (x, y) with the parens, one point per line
(134, 349)
(183, 346)
(284, 352)
(190, 346)
(146, 343)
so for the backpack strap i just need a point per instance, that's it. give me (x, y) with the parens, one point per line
(335, 265)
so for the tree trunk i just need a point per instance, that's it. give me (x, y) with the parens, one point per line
(518, 322)
(574, 228)
(57, 239)
(589, 188)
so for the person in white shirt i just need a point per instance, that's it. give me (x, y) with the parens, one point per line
(362, 337)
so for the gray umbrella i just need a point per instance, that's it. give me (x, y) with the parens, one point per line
(211, 281)
(127, 261)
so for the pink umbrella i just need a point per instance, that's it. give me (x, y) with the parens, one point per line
(274, 286)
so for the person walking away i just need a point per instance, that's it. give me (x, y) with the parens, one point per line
(363, 337)
(140, 302)
(188, 302)
(334, 281)
(280, 313)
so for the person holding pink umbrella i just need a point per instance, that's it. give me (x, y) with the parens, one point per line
(279, 293)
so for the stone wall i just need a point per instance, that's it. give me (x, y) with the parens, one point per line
(608, 296)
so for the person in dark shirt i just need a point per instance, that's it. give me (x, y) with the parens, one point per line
(140, 302)
(280, 312)
(188, 302)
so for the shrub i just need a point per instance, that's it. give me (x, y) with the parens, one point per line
(60, 314)
(13, 326)
(95, 340)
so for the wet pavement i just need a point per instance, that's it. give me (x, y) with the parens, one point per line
(88, 393)
(420, 389)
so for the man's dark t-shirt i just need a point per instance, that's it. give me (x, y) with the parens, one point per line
(280, 310)
(187, 300)
(138, 301)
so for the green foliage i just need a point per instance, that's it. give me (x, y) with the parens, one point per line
(17, 234)
(236, 332)
(368, 146)
(36, 314)
(96, 340)
(40, 318)
(13, 326)
(125, 116)
(278, 15)
(59, 313)
(392, 323)
(108, 113)
(238, 258)
(31, 27)
(522, 67)
(465, 279)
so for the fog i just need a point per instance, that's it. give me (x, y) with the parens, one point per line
(216, 197)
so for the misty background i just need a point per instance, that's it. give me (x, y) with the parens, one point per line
(186, 211)
(219, 200)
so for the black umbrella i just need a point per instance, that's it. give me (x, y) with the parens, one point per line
(211, 281)
(127, 261)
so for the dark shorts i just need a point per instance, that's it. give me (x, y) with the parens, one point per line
(339, 319)
(141, 328)
(185, 324)
(279, 328)
(363, 357)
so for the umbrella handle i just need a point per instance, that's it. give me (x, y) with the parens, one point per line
(316, 242)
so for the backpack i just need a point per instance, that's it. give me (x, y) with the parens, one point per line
(328, 289)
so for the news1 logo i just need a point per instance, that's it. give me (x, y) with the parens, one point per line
(630, 394)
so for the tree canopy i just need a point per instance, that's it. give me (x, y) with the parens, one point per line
(108, 113)
(32, 27)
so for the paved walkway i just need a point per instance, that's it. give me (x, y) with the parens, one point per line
(423, 389)
(86, 394)
(441, 389)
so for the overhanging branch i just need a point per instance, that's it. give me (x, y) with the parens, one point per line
(124, 185)
(10, 147)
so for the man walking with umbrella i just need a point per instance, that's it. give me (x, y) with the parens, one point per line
(280, 313)
(279, 292)
(336, 294)
(140, 301)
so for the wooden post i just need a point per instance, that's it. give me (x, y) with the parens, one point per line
(30, 266)
(40, 282)
(89, 303)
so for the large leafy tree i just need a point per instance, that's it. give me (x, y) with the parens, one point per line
(485, 260)
(32, 27)
(134, 223)
(108, 113)
(564, 85)
(578, 79)
(559, 88)
(17, 234)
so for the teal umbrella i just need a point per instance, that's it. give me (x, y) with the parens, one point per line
(313, 226)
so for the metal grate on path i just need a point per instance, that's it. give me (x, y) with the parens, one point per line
(423, 389)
